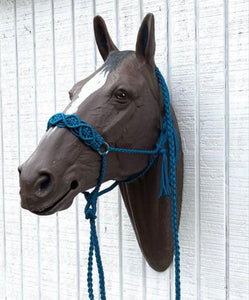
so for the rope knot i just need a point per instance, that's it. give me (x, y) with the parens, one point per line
(90, 214)
(90, 208)
(164, 184)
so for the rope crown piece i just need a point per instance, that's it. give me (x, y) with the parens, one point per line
(93, 139)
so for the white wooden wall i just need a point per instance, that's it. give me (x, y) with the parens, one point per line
(202, 49)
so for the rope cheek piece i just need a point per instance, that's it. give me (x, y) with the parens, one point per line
(91, 138)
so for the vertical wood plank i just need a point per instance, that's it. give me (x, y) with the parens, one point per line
(197, 150)
(238, 155)
(19, 150)
(212, 149)
(2, 185)
(26, 97)
(10, 150)
(10, 158)
(182, 85)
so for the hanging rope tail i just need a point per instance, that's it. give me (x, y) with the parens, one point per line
(168, 138)
(173, 157)
(90, 213)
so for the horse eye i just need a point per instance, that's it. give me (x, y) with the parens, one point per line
(121, 94)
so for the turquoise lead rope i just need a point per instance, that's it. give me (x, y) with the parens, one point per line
(173, 157)
(93, 139)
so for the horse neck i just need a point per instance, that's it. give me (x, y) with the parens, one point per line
(150, 215)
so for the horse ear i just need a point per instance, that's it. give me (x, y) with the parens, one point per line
(145, 46)
(102, 37)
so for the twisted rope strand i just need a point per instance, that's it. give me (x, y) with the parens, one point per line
(173, 149)
(90, 266)
(90, 213)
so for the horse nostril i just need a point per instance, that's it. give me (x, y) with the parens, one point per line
(74, 185)
(45, 182)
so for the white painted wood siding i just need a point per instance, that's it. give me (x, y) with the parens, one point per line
(202, 49)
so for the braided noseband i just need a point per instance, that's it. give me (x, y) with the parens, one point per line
(91, 138)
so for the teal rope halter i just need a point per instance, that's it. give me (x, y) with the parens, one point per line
(91, 138)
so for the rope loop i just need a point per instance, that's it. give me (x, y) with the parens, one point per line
(90, 208)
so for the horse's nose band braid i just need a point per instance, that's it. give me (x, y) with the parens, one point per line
(81, 129)
(93, 139)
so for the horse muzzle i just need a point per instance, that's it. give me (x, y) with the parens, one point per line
(39, 190)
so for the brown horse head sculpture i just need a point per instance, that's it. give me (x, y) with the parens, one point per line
(122, 101)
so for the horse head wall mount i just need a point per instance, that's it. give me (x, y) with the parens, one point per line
(123, 102)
